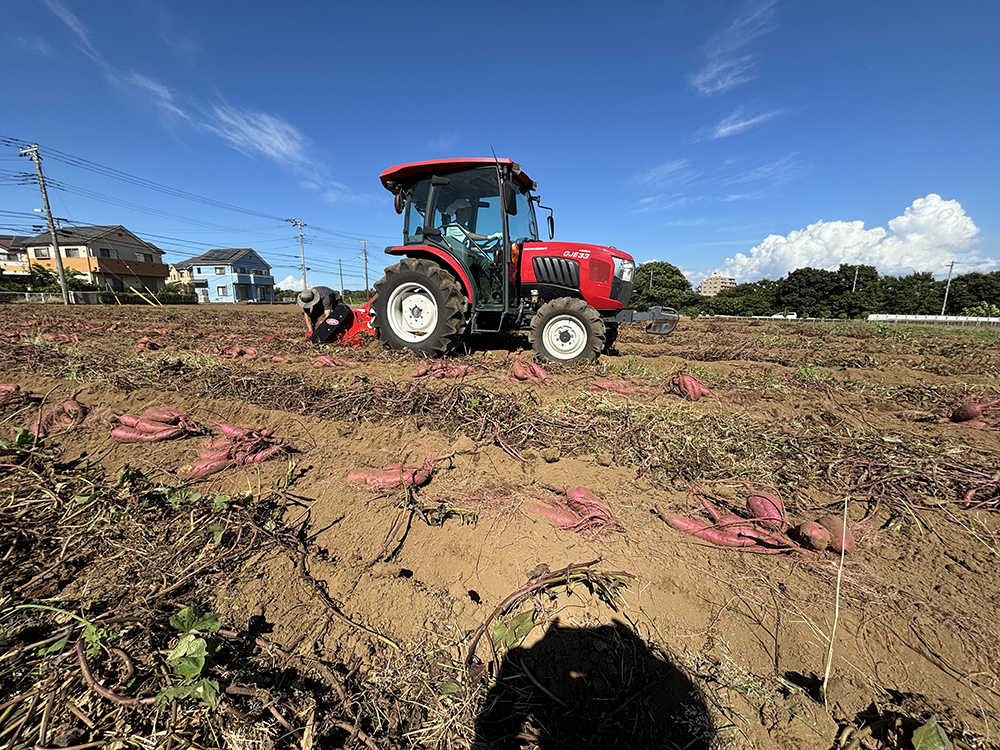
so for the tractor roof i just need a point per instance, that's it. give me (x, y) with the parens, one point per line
(404, 174)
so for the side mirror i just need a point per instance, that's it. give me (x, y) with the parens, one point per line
(552, 226)
(510, 197)
(398, 202)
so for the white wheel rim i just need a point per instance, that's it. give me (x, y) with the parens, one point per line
(564, 337)
(412, 312)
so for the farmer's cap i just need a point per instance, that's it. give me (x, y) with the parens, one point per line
(307, 298)
(456, 205)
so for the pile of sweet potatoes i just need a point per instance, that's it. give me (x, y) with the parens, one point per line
(156, 424)
(238, 446)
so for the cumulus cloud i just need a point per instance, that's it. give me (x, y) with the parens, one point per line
(930, 234)
(726, 66)
(291, 282)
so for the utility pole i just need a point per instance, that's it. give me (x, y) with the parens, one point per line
(340, 265)
(854, 288)
(650, 278)
(32, 153)
(947, 287)
(302, 248)
(364, 244)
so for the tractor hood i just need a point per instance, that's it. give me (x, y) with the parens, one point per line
(601, 275)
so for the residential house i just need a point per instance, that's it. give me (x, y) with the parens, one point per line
(715, 284)
(13, 256)
(110, 257)
(229, 275)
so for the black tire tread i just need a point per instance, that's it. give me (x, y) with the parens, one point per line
(452, 311)
(582, 311)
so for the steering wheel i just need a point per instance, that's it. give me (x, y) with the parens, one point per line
(489, 246)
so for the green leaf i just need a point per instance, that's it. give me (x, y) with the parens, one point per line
(931, 737)
(220, 502)
(204, 690)
(208, 691)
(216, 530)
(188, 656)
(53, 648)
(506, 636)
(502, 637)
(521, 625)
(450, 688)
(191, 619)
(94, 636)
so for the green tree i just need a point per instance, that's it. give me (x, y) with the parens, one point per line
(970, 289)
(914, 294)
(44, 279)
(866, 295)
(806, 290)
(758, 298)
(663, 284)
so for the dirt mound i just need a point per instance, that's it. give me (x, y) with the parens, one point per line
(465, 595)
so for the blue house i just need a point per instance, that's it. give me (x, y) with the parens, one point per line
(231, 275)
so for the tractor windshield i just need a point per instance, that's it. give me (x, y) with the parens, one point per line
(470, 201)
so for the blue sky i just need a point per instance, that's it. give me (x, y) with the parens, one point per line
(752, 137)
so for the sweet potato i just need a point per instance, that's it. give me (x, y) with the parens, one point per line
(768, 510)
(969, 412)
(691, 388)
(610, 385)
(813, 535)
(163, 414)
(133, 435)
(714, 536)
(325, 362)
(841, 538)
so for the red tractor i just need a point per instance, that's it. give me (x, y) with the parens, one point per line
(473, 262)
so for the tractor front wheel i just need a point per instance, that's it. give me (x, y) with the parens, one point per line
(567, 330)
(419, 306)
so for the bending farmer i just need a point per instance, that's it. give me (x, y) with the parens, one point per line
(321, 310)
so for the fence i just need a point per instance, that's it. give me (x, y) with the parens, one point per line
(940, 320)
(937, 320)
(75, 298)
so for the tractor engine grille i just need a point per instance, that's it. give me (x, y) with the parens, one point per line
(558, 271)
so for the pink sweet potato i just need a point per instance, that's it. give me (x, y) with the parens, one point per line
(718, 537)
(969, 412)
(841, 538)
(768, 510)
(813, 535)
(133, 435)
(691, 388)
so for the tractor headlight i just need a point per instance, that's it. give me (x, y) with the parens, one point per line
(624, 269)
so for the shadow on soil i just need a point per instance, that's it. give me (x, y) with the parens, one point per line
(598, 688)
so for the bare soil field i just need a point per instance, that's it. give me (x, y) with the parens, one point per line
(336, 553)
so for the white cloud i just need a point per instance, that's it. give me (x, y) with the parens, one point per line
(930, 234)
(669, 173)
(731, 181)
(255, 132)
(739, 121)
(724, 67)
(291, 282)
(249, 131)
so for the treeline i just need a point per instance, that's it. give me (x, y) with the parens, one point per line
(852, 291)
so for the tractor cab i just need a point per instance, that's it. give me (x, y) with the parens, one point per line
(466, 213)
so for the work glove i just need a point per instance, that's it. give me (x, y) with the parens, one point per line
(496, 235)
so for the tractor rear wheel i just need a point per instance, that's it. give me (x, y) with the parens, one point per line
(567, 330)
(419, 306)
